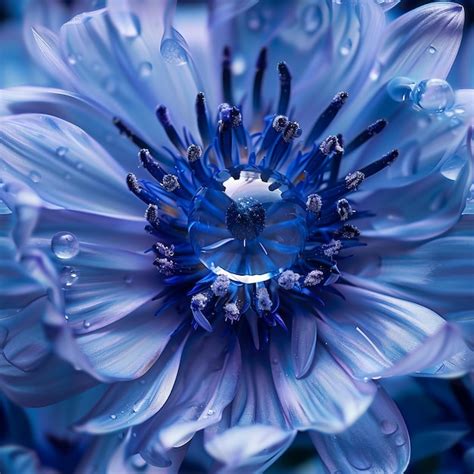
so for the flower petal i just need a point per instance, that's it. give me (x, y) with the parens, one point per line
(65, 166)
(303, 341)
(326, 399)
(377, 335)
(377, 442)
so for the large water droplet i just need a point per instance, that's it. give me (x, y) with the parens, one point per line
(68, 276)
(388, 427)
(311, 18)
(173, 53)
(61, 151)
(145, 69)
(400, 440)
(65, 245)
(346, 47)
(433, 95)
(359, 460)
(400, 88)
(35, 176)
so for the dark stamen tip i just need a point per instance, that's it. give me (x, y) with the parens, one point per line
(284, 71)
(162, 114)
(262, 59)
(377, 126)
(132, 183)
(340, 97)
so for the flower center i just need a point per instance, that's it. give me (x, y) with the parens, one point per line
(251, 228)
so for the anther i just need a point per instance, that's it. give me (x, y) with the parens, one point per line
(199, 301)
(202, 119)
(314, 203)
(348, 231)
(344, 209)
(164, 265)
(353, 180)
(327, 116)
(264, 303)
(291, 131)
(170, 182)
(231, 312)
(220, 286)
(125, 130)
(150, 164)
(279, 123)
(163, 249)
(151, 214)
(329, 145)
(313, 278)
(288, 279)
(380, 164)
(194, 153)
(132, 183)
(332, 248)
(285, 87)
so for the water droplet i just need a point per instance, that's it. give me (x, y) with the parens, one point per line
(400, 88)
(86, 324)
(35, 176)
(359, 460)
(375, 72)
(128, 279)
(145, 69)
(173, 53)
(433, 95)
(66, 317)
(68, 276)
(400, 440)
(388, 427)
(61, 151)
(432, 49)
(138, 462)
(346, 47)
(459, 110)
(136, 407)
(210, 412)
(311, 17)
(65, 245)
(113, 417)
(72, 59)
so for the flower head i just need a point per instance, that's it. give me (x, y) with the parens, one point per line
(265, 289)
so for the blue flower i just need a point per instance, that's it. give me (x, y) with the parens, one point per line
(302, 235)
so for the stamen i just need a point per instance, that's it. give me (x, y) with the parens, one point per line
(151, 215)
(231, 312)
(170, 182)
(279, 123)
(164, 118)
(220, 285)
(264, 303)
(226, 123)
(344, 209)
(367, 134)
(326, 117)
(165, 266)
(285, 88)
(258, 80)
(353, 180)
(150, 164)
(164, 250)
(380, 164)
(132, 183)
(329, 145)
(336, 160)
(202, 118)
(292, 131)
(227, 75)
(348, 231)
(194, 153)
(314, 203)
(332, 248)
(199, 301)
(313, 278)
(125, 130)
(288, 279)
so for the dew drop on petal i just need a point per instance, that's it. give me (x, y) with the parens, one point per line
(65, 245)
(35, 176)
(61, 151)
(145, 69)
(86, 324)
(433, 95)
(375, 72)
(113, 417)
(388, 427)
(173, 53)
(346, 47)
(432, 49)
(400, 440)
(400, 88)
(68, 276)
(359, 461)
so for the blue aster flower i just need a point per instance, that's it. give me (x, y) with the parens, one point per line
(291, 234)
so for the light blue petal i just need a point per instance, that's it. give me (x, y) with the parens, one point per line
(130, 403)
(303, 340)
(252, 448)
(377, 335)
(206, 384)
(377, 442)
(64, 165)
(326, 399)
